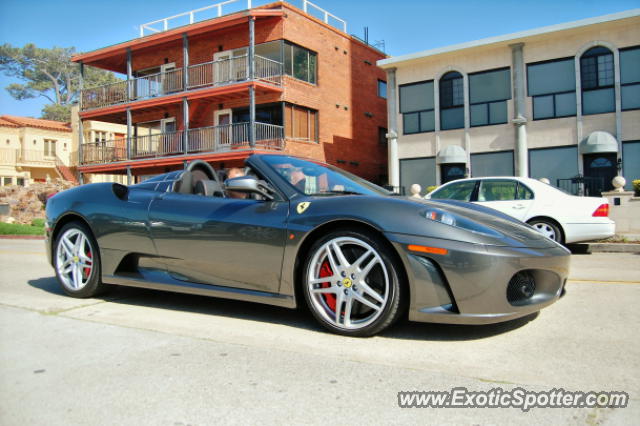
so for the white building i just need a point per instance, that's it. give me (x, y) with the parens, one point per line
(554, 102)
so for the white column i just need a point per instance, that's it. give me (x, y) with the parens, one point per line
(519, 110)
(392, 135)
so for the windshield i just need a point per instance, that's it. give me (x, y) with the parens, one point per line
(311, 178)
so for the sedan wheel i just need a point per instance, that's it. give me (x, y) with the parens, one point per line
(77, 262)
(351, 284)
(547, 229)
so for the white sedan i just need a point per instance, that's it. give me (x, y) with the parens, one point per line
(560, 216)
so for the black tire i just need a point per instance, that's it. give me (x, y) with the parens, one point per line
(90, 281)
(548, 228)
(355, 244)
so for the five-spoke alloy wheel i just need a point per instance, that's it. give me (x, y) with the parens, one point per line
(351, 283)
(77, 261)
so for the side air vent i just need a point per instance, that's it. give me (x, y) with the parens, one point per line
(120, 191)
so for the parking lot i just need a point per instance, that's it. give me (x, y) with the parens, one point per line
(144, 357)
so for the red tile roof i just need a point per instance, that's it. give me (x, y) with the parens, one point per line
(6, 123)
(13, 121)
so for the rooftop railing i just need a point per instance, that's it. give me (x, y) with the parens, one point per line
(209, 74)
(224, 8)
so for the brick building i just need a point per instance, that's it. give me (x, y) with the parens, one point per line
(268, 78)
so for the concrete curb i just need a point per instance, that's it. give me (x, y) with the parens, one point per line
(587, 248)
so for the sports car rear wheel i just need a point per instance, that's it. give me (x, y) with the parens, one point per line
(351, 283)
(77, 261)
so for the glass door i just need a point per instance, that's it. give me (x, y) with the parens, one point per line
(601, 169)
(223, 136)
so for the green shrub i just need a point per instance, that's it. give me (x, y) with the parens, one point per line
(38, 222)
(636, 186)
(431, 188)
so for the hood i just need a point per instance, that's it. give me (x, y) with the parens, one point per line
(404, 215)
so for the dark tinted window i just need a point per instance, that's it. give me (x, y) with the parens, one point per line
(596, 73)
(524, 193)
(497, 190)
(456, 191)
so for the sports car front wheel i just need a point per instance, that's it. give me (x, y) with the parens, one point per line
(351, 283)
(77, 261)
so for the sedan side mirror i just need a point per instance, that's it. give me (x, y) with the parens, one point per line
(249, 185)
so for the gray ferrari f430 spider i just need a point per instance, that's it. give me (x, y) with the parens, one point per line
(289, 232)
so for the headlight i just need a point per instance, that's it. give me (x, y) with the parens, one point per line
(451, 219)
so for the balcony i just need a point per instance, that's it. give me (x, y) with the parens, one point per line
(209, 74)
(215, 139)
(27, 158)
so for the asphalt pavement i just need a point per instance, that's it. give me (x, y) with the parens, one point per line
(138, 356)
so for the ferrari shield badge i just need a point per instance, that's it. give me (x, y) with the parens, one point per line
(302, 207)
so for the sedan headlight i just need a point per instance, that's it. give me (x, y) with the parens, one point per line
(452, 219)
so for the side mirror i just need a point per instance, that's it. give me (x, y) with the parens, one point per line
(249, 185)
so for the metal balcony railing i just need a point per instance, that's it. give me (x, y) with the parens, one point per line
(159, 145)
(223, 138)
(105, 151)
(209, 74)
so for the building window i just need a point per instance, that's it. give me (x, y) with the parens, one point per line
(488, 95)
(300, 123)
(99, 136)
(266, 113)
(8, 141)
(382, 135)
(417, 170)
(552, 85)
(451, 101)
(630, 163)
(596, 75)
(49, 148)
(382, 89)
(416, 106)
(6, 181)
(492, 164)
(630, 78)
(20, 181)
(553, 163)
(300, 63)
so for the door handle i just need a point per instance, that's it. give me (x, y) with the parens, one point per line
(519, 206)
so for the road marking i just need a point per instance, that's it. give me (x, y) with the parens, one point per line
(21, 252)
(571, 280)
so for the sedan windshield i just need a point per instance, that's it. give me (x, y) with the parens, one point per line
(317, 179)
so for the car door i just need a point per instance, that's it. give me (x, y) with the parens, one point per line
(220, 241)
(506, 195)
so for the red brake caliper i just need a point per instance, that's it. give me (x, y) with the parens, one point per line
(87, 271)
(325, 271)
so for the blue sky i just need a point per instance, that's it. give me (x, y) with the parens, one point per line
(406, 26)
